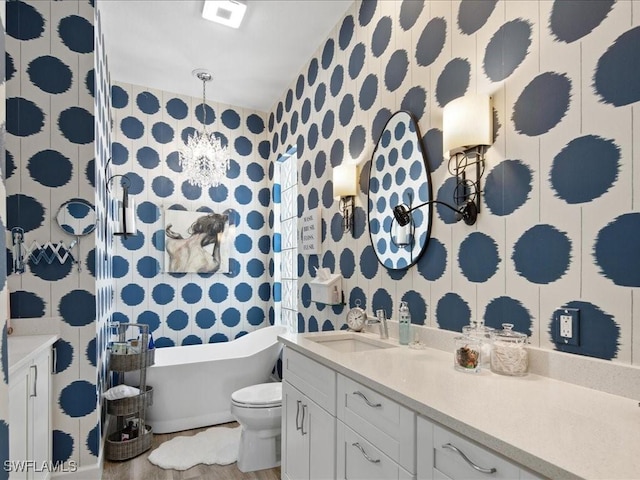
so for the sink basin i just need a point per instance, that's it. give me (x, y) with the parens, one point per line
(350, 342)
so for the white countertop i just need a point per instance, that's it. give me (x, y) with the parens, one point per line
(22, 348)
(557, 429)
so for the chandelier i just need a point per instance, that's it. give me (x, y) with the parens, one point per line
(203, 158)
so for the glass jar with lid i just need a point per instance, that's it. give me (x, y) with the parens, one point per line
(468, 354)
(508, 353)
(483, 333)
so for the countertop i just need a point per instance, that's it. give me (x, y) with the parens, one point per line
(554, 428)
(22, 348)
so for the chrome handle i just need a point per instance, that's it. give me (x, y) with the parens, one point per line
(54, 360)
(366, 400)
(304, 409)
(488, 471)
(298, 427)
(34, 381)
(364, 454)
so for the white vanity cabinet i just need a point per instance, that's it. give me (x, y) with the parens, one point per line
(308, 419)
(30, 415)
(445, 455)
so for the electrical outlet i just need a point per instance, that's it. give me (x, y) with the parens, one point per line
(567, 326)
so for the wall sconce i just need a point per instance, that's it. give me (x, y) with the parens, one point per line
(345, 188)
(125, 213)
(467, 130)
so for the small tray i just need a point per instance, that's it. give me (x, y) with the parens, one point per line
(130, 405)
(118, 450)
(128, 362)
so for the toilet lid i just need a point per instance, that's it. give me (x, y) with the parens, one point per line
(261, 395)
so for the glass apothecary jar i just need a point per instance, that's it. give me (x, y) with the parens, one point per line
(468, 354)
(485, 335)
(509, 355)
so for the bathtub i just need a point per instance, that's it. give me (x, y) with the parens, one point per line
(192, 385)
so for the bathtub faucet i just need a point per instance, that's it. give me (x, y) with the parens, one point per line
(381, 320)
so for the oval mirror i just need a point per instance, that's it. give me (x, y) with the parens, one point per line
(399, 174)
(77, 217)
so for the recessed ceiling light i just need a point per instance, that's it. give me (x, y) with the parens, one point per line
(226, 12)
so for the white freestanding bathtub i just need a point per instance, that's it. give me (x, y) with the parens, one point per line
(192, 385)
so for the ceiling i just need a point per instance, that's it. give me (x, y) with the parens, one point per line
(157, 44)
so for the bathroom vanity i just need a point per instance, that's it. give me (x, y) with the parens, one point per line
(355, 406)
(30, 366)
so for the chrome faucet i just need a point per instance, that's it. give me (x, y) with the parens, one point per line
(381, 320)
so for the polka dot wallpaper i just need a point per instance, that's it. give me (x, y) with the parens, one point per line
(190, 308)
(558, 208)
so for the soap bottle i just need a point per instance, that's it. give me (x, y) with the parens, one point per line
(404, 320)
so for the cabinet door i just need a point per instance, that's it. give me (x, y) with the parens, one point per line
(18, 419)
(320, 427)
(295, 446)
(40, 399)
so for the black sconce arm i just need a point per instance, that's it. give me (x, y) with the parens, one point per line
(467, 212)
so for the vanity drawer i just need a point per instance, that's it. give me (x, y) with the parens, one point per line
(453, 465)
(385, 423)
(310, 377)
(358, 458)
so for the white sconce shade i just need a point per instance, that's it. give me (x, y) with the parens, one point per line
(467, 122)
(344, 180)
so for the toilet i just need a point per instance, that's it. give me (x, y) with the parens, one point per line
(258, 409)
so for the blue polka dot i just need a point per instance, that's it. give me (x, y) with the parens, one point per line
(599, 332)
(62, 442)
(64, 355)
(205, 115)
(132, 128)
(190, 192)
(53, 272)
(119, 266)
(90, 82)
(346, 111)
(163, 293)
(570, 21)
(415, 102)
(452, 312)
(148, 158)
(453, 81)
(119, 97)
(132, 294)
(78, 308)
(508, 310)
(165, 342)
(616, 250)
(148, 212)
(24, 117)
(473, 15)
(136, 183)
(162, 132)
(381, 36)
(148, 267)
(507, 49)
(218, 338)
(230, 317)
(78, 399)
(162, 186)
(50, 74)
(205, 318)
(234, 169)
(255, 220)
(346, 32)
(148, 103)
(177, 320)
(320, 97)
(243, 146)
(91, 353)
(431, 41)
(76, 125)
(120, 154)
(327, 53)
(243, 292)
(177, 108)
(507, 187)
(255, 316)
(26, 304)
(219, 193)
(76, 33)
(357, 141)
(255, 268)
(243, 243)
(433, 263)
(396, 70)
(26, 22)
(616, 79)
(542, 254)
(597, 159)
(356, 60)
(368, 92)
(542, 104)
(368, 262)
(50, 168)
(150, 318)
(243, 195)
(478, 257)
(366, 12)
(191, 293)
(312, 73)
(410, 10)
(218, 292)
(93, 440)
(133, 242)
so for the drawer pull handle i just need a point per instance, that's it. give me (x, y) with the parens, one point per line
(304, 410)
(366, 400)
(364, 454)
(34, 381)
(298, 427)
(488, 471)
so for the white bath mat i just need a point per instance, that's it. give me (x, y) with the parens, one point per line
(215, 445)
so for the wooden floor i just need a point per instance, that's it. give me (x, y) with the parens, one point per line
(140, 468)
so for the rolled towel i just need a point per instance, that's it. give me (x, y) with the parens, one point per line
(121, 391)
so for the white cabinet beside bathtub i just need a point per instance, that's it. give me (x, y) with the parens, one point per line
(308, 419)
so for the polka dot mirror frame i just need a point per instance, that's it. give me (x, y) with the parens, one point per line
(399, 175)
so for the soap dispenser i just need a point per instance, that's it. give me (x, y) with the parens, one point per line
(404, 320)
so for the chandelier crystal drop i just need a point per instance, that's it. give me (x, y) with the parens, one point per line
(204, 159)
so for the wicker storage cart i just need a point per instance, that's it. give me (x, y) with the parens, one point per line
(136, 406)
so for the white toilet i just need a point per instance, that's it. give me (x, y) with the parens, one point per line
(258, 409)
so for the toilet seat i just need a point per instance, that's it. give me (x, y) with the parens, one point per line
(263, 395)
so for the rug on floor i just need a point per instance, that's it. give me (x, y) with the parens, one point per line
(215, 445)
